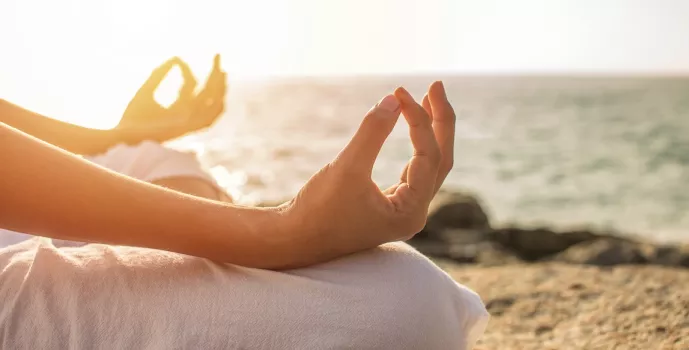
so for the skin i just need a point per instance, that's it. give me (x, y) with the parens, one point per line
(339, 211)
(193, 186)
(363, 216)
(192, 112)
(143, 119)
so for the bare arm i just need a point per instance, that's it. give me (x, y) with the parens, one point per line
(339, 211)
(143, 119)
(77, 139)
(46, 191)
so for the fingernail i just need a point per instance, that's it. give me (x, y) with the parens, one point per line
(389, 103)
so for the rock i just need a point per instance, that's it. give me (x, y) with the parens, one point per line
(493, 254)
(432, 248)
(498, 306)
(535, 244)
(458, 229)
(453, 210)
(483, 252)
(543, 329)
(668, 255)
(603, 252)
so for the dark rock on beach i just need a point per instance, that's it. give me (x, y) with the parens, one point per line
(459, 229)
(536, 244)
(455, 211)
(604, 252)
(549, 289)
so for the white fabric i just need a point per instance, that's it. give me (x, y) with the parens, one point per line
(105, 297)
(150, 161)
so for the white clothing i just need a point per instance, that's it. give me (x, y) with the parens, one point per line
(98, 296)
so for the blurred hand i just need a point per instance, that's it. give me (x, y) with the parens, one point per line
(341, 210)
(190, 112)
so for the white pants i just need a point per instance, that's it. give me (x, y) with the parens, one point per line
(106, 297)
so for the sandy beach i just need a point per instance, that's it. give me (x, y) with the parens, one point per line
(560, 306)
(550, 289)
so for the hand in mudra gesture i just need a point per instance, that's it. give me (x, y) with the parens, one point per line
(343, 206)
(188, 113)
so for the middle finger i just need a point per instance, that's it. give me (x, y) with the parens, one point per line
(444, 121)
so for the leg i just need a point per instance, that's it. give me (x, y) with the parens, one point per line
(159, 165)
(96, 296)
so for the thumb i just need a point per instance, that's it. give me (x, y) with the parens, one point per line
(362, 150)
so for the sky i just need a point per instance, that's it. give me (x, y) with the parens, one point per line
(72, 59)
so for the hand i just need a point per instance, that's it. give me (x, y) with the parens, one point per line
(188, 113)
(341, 210)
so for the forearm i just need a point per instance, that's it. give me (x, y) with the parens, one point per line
(77, 139)
(49, 192)
(67, 136)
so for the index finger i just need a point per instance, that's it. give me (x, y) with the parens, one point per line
(444, 120)
(423, 167)
(157, 76)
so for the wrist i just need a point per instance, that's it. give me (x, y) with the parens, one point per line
(254, 237)
(286, 239)
(300, 240)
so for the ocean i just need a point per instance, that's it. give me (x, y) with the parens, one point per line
(600, 153)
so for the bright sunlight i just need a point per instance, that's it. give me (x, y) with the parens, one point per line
(91, 56)
(82, 60)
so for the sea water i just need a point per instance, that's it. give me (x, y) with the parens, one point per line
(602, 153)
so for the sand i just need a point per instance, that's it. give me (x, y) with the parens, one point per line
(560, 306)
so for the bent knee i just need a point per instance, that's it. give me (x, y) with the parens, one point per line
(440, 313)
(412, 302)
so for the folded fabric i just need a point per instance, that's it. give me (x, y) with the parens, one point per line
(106, 297)
(59, 294)
(150, 161)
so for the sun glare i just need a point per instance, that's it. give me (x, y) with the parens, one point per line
(82, 60)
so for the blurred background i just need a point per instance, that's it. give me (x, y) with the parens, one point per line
(570, 113)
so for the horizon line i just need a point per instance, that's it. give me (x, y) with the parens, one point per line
(482, 74)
